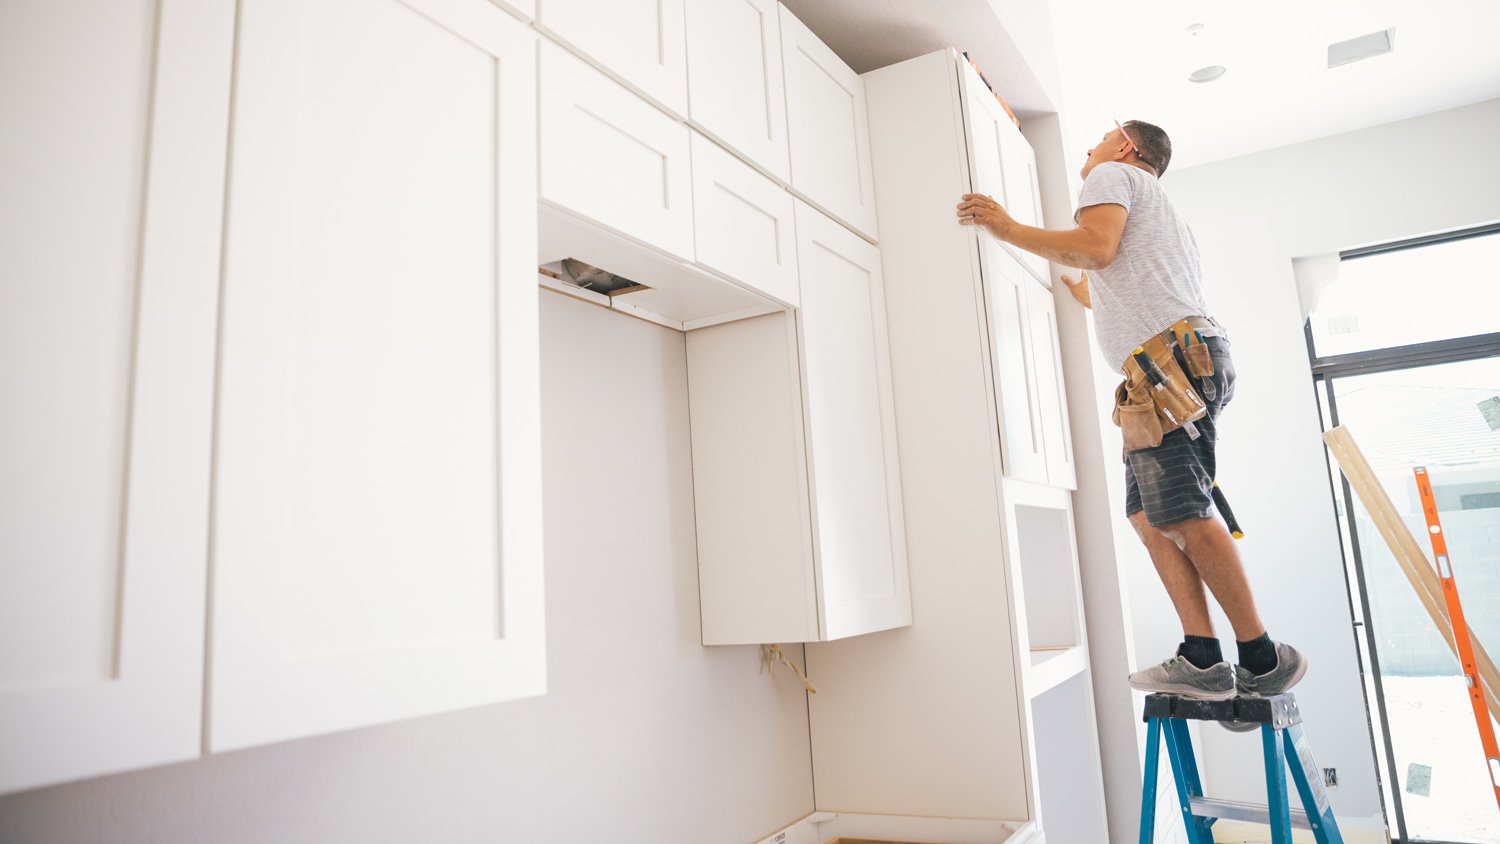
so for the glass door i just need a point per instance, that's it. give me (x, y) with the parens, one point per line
(1428, 416)
(1402, 364)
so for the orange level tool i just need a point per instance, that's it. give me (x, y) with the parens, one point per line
(1460, 629)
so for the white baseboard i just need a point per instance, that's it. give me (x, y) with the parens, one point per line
(822, 827)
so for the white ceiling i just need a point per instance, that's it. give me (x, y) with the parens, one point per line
(1131, 60)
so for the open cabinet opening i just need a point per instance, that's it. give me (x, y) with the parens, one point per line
(1048, 577)
(591, 279)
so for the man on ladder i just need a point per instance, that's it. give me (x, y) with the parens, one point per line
(1146, 284)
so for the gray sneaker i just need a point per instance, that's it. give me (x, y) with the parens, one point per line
(1290, 668)
(1177, 676)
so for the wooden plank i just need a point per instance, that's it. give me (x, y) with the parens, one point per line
(1424, 581)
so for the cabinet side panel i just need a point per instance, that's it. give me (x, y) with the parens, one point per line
(750, 483)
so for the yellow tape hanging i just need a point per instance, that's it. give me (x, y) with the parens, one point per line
(774, 655)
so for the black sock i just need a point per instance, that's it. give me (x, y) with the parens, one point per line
(1258, 655)
(1201, 651)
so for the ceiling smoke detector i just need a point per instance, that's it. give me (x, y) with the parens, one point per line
(1363, 47)
(1207, 74)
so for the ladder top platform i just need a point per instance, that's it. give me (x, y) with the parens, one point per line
(1280, 711)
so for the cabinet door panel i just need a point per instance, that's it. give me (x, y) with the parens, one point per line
(377, 551)
(858, 523)
(984, 118)
(1022, 194)
(1022, 444)
(744, 227)
(641, 41)
(735, 92)
(1001, 164)
(827, 128)
(1052, 401)
(106, 366)
(612, 157)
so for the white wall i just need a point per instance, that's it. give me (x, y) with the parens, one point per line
(644, 734)
(1252, 216)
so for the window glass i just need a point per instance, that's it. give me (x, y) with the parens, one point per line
(1415, 295)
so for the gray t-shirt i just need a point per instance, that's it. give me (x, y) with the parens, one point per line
(1153, 280)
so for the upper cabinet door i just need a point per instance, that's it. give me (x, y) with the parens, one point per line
(106, 368)
(1023, 446)
(1022, 192)
(858, 519)
(1052, 397)
(744, 227)
(640, 41)
(377, 546)
(984, 119)
(736, 93)
(827, 128)
(1001, 164)
(612, 157)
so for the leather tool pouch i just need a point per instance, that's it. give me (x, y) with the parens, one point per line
(1135, 413)
(1200, 362)
(1144, 413)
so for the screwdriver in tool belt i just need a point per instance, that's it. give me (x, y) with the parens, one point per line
(1159, 381)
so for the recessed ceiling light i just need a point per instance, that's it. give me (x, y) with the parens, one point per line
(1363, 47)
(1207, 74)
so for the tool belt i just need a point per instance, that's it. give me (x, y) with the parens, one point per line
(1157, 397)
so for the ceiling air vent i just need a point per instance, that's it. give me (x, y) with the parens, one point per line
(1363, 47)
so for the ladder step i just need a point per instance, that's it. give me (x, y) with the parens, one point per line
(1233, 810)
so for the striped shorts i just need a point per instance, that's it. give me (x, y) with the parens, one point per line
(1174, 481)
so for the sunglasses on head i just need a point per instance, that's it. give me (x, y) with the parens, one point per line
(1133, 145)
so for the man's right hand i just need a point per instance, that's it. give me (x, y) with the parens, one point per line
(1079, 288)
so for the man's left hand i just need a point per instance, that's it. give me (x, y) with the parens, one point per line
(976, 209)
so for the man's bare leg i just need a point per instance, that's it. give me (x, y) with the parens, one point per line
(1209, 547)
(1180, 577)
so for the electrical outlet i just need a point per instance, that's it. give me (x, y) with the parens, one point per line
(1331, 777)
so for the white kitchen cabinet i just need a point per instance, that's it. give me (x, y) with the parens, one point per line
(1001, 162)
(613, 158)
(640, 42)
(744, 225)
(736, 94)
(107, 312)
(377, 545)
(827, 128)
(801, 532)
(993, 559)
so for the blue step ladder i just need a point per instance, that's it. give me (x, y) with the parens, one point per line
(1285, 746)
